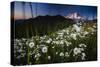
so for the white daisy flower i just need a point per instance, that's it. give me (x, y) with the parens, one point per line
(44, 49)
(73, 35)
(77, 28)
(60, 33)
(23, 54)
(53, 47)
(49, 40)
(61, 42)
(61, 54)
(56, 52)
(31, 44)
(37, 59)
(67, 31)
(57, 38)
(81, 49)
(83, 56)
(20, 43)
(55, 42)
(23, 39)
(92, 33)
(94, 26)
(85, 33)
(82, 45)
(64, 30)
(37, 55)
(66, 54)
(76, 51)
(49, 57)
(68, 43)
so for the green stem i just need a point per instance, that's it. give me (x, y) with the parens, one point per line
(28, 56)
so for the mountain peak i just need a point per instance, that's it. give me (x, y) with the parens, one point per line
(74, 15)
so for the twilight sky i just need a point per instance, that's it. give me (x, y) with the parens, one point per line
(53, 9)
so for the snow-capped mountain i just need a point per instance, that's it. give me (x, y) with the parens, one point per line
(74, 15)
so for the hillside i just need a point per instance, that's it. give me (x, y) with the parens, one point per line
(40, 25)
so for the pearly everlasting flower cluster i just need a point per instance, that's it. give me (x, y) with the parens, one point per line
(67, 43)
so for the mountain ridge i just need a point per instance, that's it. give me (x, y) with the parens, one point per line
(41, 25)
